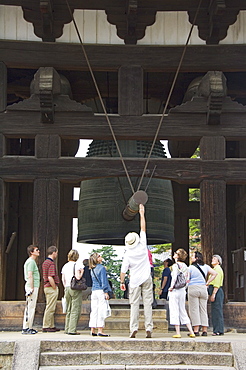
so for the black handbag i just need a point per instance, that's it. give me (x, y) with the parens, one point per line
(77, 284)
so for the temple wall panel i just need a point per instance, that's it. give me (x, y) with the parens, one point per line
(170, 28)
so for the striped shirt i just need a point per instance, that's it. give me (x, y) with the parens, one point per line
(49, 269)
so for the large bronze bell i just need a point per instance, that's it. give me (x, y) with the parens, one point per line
(102, 201)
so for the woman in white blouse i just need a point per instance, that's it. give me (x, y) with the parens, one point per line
(73, 297)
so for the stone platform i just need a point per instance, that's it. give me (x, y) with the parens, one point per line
(11, 314)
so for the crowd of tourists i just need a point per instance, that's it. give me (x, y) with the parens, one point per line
(199, 283)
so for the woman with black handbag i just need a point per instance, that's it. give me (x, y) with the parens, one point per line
(73, 297)
(99, 296)
(198, 292)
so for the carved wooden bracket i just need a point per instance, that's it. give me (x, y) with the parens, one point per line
(131, 21)
(50, 93)
(46, 9)
(213, 87)
(213, 22)
(47, 83)
(48, 18)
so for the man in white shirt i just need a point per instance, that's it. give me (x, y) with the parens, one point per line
(136, 260)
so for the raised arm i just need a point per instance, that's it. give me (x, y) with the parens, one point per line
(142, 218)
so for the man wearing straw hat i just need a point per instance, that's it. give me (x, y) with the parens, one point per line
(136, 260)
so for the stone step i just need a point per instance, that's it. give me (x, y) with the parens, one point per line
(114, 344)
(119, 324)
(125, 313)
(142, 367)
(136, 358)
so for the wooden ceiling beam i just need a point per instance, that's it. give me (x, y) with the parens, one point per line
(199, 58)
(179, 127)
(189, 171)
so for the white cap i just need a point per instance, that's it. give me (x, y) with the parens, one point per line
(131, 240)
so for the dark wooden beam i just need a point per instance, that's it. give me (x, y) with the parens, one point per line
(2, 237)
(190, 171)
(175, 126)
(160, 5)
(198, 58)
(3, 86)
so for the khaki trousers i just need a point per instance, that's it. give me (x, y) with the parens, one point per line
(51, 296)
(146, 291)
(197, 301)
(74, 302)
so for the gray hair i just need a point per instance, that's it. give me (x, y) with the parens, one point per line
(218, 258)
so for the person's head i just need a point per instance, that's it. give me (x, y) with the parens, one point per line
(86, 262)
(33, 250)
(180, 255)
(168, 262)
(94, 259)
(73, 255)
(131, 240)
(197, 257)
(216, 260)
(52, 251)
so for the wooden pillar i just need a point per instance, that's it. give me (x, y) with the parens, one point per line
(3, 87)
(2, 239)
(130, 86)
(181, 220)
(213, 205)
(231, 236)
(46, 199)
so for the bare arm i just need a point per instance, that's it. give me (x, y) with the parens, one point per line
(52, 282)
(163, 284)
(122, 279)
(63, 280)
(213, 275)
(30, 279)
(79, 273)
(142, 218)
(212, 297)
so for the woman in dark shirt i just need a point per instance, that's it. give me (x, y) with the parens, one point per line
(166, 278)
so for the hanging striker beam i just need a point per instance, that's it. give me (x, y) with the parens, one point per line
(132, 207)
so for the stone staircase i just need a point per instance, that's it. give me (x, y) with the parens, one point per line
(136, 354)
(120, 318)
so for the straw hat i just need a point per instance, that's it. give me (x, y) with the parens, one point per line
(131, 240)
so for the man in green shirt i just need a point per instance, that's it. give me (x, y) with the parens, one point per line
(32, 278)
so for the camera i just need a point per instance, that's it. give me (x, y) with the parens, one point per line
(28, 293)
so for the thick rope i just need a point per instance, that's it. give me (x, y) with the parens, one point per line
(100, 97)
(169, 95)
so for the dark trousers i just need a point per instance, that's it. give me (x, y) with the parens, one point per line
(217, 312)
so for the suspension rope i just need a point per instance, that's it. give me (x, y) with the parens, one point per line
(170, 93)
(100, 97)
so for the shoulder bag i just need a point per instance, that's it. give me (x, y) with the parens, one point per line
(180, 280)
(199, 268)
(77, 284)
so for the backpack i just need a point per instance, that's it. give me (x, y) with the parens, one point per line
(181, 280)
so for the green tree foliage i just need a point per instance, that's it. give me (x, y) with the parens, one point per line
(112, 265)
